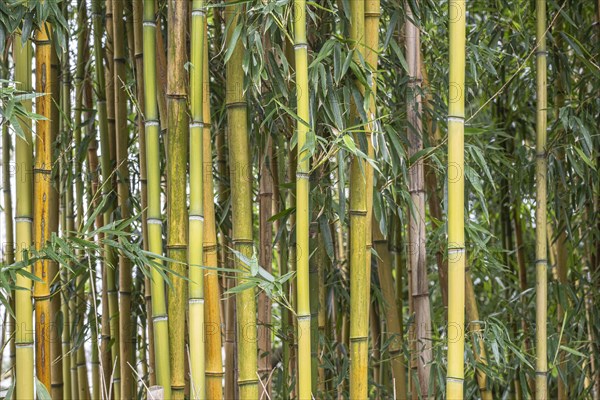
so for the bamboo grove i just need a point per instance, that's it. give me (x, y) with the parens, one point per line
(297, 199)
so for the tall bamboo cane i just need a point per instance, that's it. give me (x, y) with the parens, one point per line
(57, 384)
(302, 199)
(43, 203)
(105, 171)
(23, 225)
(9, 248)
(159, 316)
(122, 134)
(138, 11)
(359, 270)
(456, 242)
(241, 195)
(196, 215)
(66, 218)
(212, 312)
(109, 253)
(541, 263)
(392, 314)
(421, 329)
(79, 304)
(177, 216)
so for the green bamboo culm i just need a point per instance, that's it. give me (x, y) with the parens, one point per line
(302, 199)
(9, 251)
(177, 213)
(69, 389)
(456, 241)
(241, 201)
(196, 214)
(105, 167)
(360, 272)
(541, 170)
(110, 253)
(23, 224)
(155, 245)
(122, 140)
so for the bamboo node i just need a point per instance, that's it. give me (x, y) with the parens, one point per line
(196, 301)
(455, 118)
(302, 175)
(152, 122)
(299, 46)
(160, 318)
(247, 382)
(150, 24)
(456, 380)
(196, 124)
(196, 218)
(357, 213)
(198, 13)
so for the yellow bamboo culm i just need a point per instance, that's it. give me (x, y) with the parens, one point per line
(196, 214)
(23, 224)
(456, 242)
(42, 203)
(541, 263)
(302, 200)
(359, 270)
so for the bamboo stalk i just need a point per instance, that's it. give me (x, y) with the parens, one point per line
(371, 20)
(196, 213)
(177, 215)
(79, 362)
(265, 260)
(66, 218)
(56, 375)
(154, 221)
(359, 270)
(241, 195)
(393, 315)
(93, 200)
(43, 203)
(541, 365)
(138, 11)
(302, 202)
(108, 259)
(456, 246)
(109, 253)
(122, 135)
(23, 224)
(421, 330)
(9, 247)
(214, 356)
